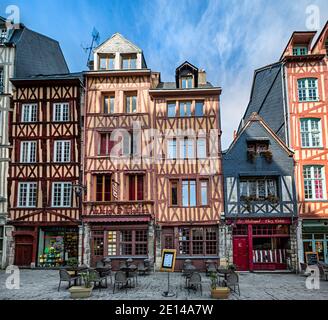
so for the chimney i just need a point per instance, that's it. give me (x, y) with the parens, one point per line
(201, 77)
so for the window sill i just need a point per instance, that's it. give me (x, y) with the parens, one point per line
(320, 147)
(182, 207)
(315, 200)
(306, 101)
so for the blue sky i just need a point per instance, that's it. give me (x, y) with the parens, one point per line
(228, 38)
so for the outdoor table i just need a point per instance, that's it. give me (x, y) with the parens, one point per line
(223, 272)
(103, 270)
(129, 269)
(76, 271)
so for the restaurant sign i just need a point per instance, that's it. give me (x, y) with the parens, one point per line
(263, 221)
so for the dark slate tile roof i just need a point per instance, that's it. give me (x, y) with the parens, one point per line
(267, 98)
(172, 85)
(36, 54)
(65, 76)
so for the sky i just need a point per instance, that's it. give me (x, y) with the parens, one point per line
(227, 38)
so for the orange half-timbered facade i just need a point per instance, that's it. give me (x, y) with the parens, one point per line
(189, 195)
(118, 208)
(44, 175)
(306, 80)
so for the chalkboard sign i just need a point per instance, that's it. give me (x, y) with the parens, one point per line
(311, 258)
(168, 260)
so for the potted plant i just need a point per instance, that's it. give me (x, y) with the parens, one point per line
(80, 292)
(251, 155)
(267, 154)
(232, 267)
(216, 291)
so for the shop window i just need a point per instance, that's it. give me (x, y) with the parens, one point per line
(103, 188)
(98, 246)
(136, 186)
(141, 239)
(211, 241)
(57, 246)
(270, 250)
(126, 242)
(270, 229)
(240, 230)
(112, 239)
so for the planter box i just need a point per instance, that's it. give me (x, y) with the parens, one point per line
(220, 293)
(79, 292)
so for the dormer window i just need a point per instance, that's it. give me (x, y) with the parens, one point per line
(258, 147)
(107, 62)
(129, 62)
(300, 51)
(186, 82)
(3, 35)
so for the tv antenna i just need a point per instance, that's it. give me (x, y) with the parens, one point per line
(95, 42)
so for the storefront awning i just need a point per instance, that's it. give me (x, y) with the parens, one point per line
(116, 219)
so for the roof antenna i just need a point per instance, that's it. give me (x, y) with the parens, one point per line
(95, 42)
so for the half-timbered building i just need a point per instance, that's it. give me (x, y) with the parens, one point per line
(118, 208)
(44, 175)
(291, 96)
(260, 200)
(23, 52)
(188, 189)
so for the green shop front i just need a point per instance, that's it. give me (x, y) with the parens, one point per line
(315, 238)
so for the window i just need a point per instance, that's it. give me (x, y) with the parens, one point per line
(308, 89)
(186, 82)
(27, 194)
(136, 187)
(201, 148)
(131, 102)
(103, 188)
(314, 183)
(185, 109)
(107, 63)
(106, 144)
(198, 241)
(199, 108)
(2, 82)
(28, 152)
(62, 151)
(172, 149)
(129, 62)
(300, 51)
(311, 133)
(112, 239)
(189, 193)
(187, 148)
(258, 189)
(174, 193)
(3, 35)
(98, 243)
(141, 242)
(29, 112)
(126, 242)
(171, 109)
(61, 112)
(203, 193)
(61, 194)
(108, 104)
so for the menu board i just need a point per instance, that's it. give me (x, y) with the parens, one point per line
(311, 258)
(168, 260)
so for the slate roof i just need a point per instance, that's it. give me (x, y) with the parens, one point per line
(41, 77)
(267, 98)
(173, 86)
(36, 54)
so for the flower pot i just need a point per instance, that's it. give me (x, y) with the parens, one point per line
(220, 293)
(80, 292)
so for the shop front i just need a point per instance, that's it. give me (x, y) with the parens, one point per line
(262, 244)
(196, 243)
(315, 238)
(57, 246)
(120, 241)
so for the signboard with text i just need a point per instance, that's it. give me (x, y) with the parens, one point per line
(168, 260)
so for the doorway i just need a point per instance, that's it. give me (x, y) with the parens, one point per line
(23, 251)
(240, 253)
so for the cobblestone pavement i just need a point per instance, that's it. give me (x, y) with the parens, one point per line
(42, 285)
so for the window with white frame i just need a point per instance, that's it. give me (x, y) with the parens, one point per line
(28, 152)
(201, 148)
(308, 89)
(61, 194)
(2, 83)
(62, 151)
(29, 112)
(61, 112)
(171, 148)
(3, 35)
(258, 189)
(311, 133)
(314, 182)
(27, 194)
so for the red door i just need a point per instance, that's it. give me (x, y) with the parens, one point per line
(23, 251)
(240, 253)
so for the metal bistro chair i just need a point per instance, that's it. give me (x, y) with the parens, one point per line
(97, 279)
(210, 267)
(142, 268)
(64, 276)
(323, 271)
(195, 282)
(121, 281)
(303, 269)
(232, 282)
